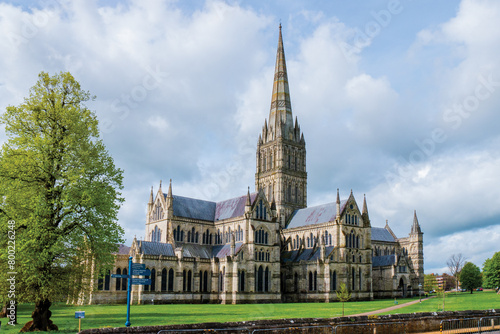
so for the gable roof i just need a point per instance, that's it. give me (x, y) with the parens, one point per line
(193, 208)
(381, 234)
(308, 254)
(315, 214)
(222, 251)
(234, 207)
(156, 248)
(122, 250)
(384, 260)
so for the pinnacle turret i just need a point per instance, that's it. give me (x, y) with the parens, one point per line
(365, 207)
(415, 228)
(151, 196)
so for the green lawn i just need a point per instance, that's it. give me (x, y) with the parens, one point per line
(460, 301)
(143, 315)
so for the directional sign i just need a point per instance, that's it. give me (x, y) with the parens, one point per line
(119, 276)
(79, 314)
(136, 266)
(141, 281)
(141, 272)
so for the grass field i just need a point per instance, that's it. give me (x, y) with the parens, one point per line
(148, 315)
(460, 301)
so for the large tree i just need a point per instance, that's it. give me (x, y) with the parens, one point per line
(59, 193)
(455, 264)
(491, 272)
(470, 277)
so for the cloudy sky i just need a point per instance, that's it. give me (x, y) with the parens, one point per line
(397, 99)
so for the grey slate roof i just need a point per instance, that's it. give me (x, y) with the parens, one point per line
(123, 250)
(384, 260)
(193, 208)
(209, 211)
(156, 248)
(194, 250)
(306, 255)
(315, 214)
(381, 234)
(222, 251)
(234, 207)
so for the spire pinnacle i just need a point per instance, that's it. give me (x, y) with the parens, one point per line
(281, 107)
(249, 202)
(415, 228)
(170, 189)
(365, 207)
(338, 204)
(151, 196)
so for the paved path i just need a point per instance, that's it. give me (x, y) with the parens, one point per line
(395, 307)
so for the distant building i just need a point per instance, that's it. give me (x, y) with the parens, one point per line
(267, 246)
(446, 281)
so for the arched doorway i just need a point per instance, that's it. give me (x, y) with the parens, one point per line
(402, 287)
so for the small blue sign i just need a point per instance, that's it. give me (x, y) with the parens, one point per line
(138, 266)
(119, 276)
(79, 314)
(141, 281)
(141, 272)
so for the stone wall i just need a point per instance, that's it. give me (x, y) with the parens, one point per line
(387, 324)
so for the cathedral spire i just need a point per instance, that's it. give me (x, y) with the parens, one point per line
(281, 107)
(415, 228)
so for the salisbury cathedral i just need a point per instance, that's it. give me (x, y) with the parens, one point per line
(266, 246)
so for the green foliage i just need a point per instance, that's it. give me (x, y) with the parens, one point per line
(430, 283)
(470, 277)
(59, 189)
(491, 272)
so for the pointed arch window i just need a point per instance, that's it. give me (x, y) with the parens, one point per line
(171, 279)
(153, 279)
(205, 281)
(359, 279)
(124, 280)
(163, 279)
(353, 273)
(333, 280)
(118, 280)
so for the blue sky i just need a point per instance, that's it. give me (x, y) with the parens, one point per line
(397, 100)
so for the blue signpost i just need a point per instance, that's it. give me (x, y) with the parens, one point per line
(134, 269)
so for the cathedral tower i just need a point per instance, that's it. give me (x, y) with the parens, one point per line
(281, 149)
(416, 249)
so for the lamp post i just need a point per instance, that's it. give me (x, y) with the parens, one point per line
(420, 291)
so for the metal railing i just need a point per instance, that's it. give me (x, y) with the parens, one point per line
(489, 324)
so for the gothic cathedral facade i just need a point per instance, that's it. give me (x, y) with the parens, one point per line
(266, 246)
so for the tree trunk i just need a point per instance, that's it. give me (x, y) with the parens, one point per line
(41, 318)
(3, 312)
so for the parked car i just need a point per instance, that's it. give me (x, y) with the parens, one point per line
(479, 289)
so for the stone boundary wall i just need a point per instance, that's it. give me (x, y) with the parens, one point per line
(415, 323)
